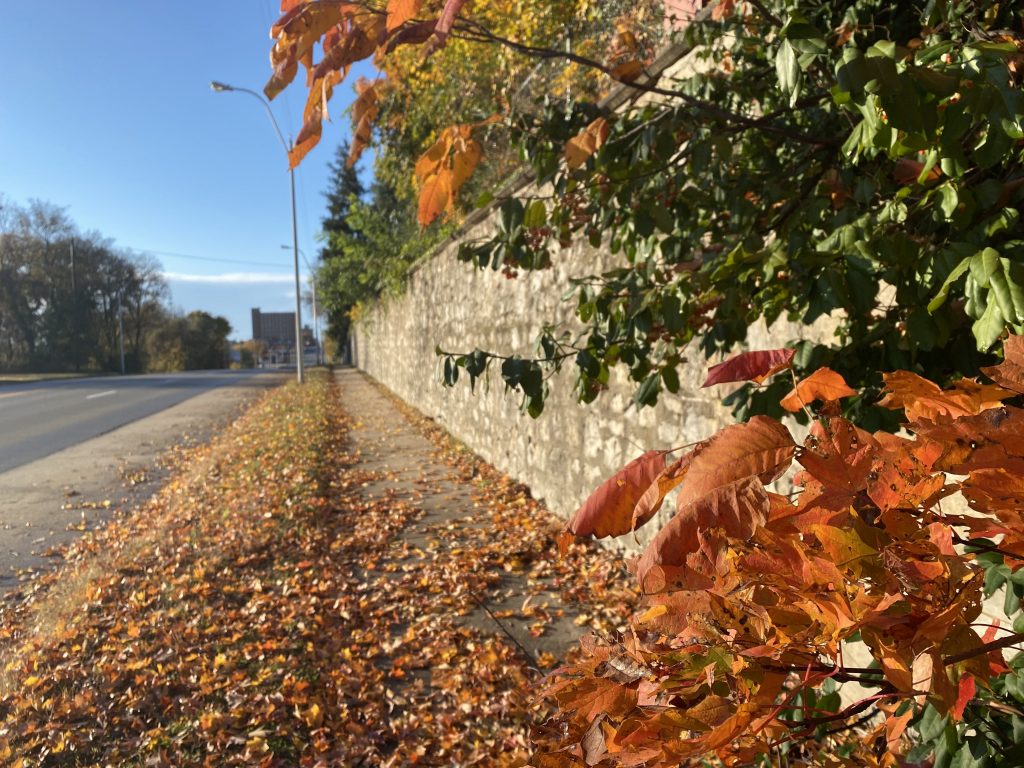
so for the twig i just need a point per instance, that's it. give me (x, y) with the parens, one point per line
(533, 663)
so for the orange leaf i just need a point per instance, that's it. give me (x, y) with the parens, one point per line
(580, 148)
(364, 113)
(435, 197)
(824, 384)
(466, 156)
(401, 11)
(431, 161)
(738, 508)
(723, 9)
(839, 454)
(608, 511)
(627, 71)
(750, 366)
(895, 725)
(761, 447)
(923, 399)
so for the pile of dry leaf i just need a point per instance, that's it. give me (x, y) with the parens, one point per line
(263, 610)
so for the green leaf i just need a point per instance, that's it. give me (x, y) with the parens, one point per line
(948, 200)
(983, 264)
(536, 215)
(788, 70)
(943, 294)
(989, 327)
(647, 394)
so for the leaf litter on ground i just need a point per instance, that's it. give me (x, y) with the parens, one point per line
(271, 606)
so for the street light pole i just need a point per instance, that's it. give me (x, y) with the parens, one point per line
(316, 315)
(220, 88)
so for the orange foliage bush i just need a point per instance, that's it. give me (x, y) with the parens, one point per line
(752, 596)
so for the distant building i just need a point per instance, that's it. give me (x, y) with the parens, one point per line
(274, 333)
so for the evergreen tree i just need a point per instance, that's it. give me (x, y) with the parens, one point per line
(345, 187)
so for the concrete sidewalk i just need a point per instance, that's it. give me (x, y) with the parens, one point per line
(526, 601)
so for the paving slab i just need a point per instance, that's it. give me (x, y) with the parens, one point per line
(410, 470)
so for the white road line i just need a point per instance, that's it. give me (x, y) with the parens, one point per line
(101, 394)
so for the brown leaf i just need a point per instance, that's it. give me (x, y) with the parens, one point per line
(628, 71)
(1010, 372)
(608, 511)
(750, 366)
(445, 23)
(824, 384)
(594, 747)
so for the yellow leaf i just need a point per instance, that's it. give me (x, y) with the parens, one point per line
(653, 613)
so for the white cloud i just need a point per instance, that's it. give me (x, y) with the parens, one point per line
(230, 277)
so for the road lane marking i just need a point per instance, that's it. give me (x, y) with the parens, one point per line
(101, 394)
(12, 394)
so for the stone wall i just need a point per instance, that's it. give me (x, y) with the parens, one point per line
(563, 455)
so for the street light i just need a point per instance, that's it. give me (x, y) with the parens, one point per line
(316, 315)
(220, 88)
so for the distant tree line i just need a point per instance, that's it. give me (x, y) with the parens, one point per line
(65, 294)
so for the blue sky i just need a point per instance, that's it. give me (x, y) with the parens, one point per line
(106, 109)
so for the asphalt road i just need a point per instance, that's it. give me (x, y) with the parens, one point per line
(41, 418)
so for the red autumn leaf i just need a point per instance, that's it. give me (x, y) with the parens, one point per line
(965, 694)
(824, 384)
(750, 366)
(608, 511)
(652, 499)
(1010, 372)
(445, 22)
(907, 172)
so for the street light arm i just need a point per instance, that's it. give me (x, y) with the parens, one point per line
(219, 87)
